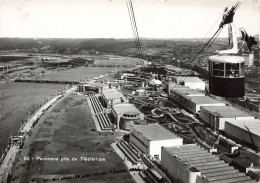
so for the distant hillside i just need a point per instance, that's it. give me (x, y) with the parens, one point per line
(151, 47)
(102, 44)
(60, 45)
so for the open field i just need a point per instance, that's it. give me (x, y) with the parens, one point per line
(80, 73)
(117, 62)
(69, 132)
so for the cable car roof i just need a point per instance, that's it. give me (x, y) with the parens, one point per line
(226, 59)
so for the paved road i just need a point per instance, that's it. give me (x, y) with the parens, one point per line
(7, 164)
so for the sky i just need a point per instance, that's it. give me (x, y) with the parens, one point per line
(163, 19)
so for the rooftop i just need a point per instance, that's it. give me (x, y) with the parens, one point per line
(125, 108)
(225, 111)
(188, 79)
(211, 167)
(113, 93)
(252, 124)
(155, 132)
(188, 91)
(176, 86)
(203, 100)
(226, 59)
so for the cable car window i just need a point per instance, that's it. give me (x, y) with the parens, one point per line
(232, 66)
(219, 66)
(218, 73)
(242, 69)
(218, 69)
(232, 70)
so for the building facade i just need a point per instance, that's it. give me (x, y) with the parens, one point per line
(110, 97)
(244, 131)
(192, 164)
(125, 115)
(150, 138)
(192, 82)
(215, 116)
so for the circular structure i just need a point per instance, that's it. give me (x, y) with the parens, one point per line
(226, 76)
(128, 119)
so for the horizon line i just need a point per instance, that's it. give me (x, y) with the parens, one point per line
(163, 39)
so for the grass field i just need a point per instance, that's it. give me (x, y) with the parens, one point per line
(68, 133)
(77, 74)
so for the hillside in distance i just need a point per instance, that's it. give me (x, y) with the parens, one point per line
(116, 46)
(61, 45)
(150, 47)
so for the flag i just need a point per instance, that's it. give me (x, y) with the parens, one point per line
(250, 41)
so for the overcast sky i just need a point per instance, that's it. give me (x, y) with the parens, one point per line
(109, 18)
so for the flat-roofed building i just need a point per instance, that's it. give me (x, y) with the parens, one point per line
(194, 103)
(244, 131)
(175, 85)
(178, 93)
(172, 86)
(216, 116)
(192, 164)
(110, 97)
(192, 82)
(126, 114)
(150, 138)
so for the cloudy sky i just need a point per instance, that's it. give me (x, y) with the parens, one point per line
(109, 18)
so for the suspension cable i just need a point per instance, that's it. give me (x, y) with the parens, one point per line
(135, 26)
(132, 26)
(192, 66)
(219, 30)
(216, 33)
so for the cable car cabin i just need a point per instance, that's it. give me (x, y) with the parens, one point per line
(226, 76)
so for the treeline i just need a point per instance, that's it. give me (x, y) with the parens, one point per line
(64, 44)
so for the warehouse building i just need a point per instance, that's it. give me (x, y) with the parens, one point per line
(179, 94)
(244, 131)
(192, 164)
(150, 138)
(172, 86)
(194, 103)
(125, 115)
(216, 116)
(192, 82)
(110, 97)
